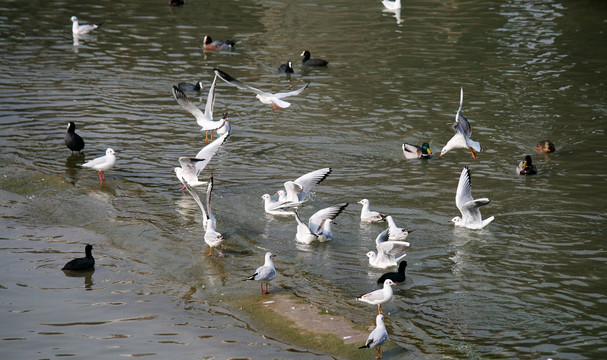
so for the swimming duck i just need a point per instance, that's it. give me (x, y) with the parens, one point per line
(286, 68)
(312, 62)
(73, 141)
(415, 152)
(544, 146)
(526, 167)
(209, 44)
(80, 264)
(397, 277)
(186, 86)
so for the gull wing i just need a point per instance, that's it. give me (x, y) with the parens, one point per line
(329, 213)
(460, 119)
(309, 180)
(208, 108)
(291, 93)
(188, 167)
(382, 237)
(376, 295)
(209, 190)
(207, 152)
(197, 199)
(464, 189)
(235, 82)
(393, 248)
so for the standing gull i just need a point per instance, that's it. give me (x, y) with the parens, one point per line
(73, 141)
(367, 215)
(315, 228)
(468, 206)
(378, 336)
(265, 97)
(380, 296)
(209, 223)
(387, 251)
(461, 139)
(102, 163)
(191, 167)
(265, 273)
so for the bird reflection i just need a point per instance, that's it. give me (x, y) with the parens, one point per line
(71, 166)
(87, 275)
(396, 13)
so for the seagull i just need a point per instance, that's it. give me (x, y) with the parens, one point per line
(395, 232)
(102, 163)
(276, 207)
(526, 167)
(80, 264)
(204, 119)
(461, 139)
(186, 86)
(314, 229)
(191, 167)
(286, 68)
(391, 5)
(397, 277)
(416, 152)
(380, 296)
(78, 29)
(264, 97)
(470, 208)
(312, 62)
(209, 223)
(73, 141)
(209, 44)
(298, 191)
(378, 336)
(387, 251)
(265, 273)
(367, 215)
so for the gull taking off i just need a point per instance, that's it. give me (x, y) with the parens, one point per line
(468, 206)
(387, 251)
(316, 228)
(191, 167)
(209, 223)
(298, 190)
(461, 139)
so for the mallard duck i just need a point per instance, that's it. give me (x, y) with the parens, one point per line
(415, 152)
(526, 167)
(209, 44)
(544, 146)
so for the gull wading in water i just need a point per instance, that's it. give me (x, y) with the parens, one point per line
(316, 229)
(211, 237)
(191, 167)
(204, 119)
(378, 336)
(265, 273)
(463, 131)
(468, 206)
(264, 97)
(276, 207)
(380, 296)
(103, 163)
(395, 232)
(367, 215)
(298, 190)
(387, 251)
(78, 29)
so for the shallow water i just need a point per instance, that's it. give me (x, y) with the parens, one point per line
(530, 285)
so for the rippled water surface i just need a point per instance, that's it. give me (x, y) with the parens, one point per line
(530, 285)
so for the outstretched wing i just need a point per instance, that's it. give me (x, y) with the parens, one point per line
(207, 152)
(309, 180)
(291, 93)
(327, 214)
(235, 82)
(463, 194)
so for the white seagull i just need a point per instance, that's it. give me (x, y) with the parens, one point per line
(461, 139)
(298, 191)
(204, 119)
(470, 208)
(265, 273)
(78, 29)
(380, 296)
(264, 97)
(378, 336)
(211, 237)
(387, 251)
(102, 163)
(391, 5)
(191, 167)
(276, 207)
(395, 232)
(315, 228)
(367, 215)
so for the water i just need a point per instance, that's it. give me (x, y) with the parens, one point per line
(530, 285)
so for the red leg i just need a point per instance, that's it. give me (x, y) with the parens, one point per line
(261, 284)
(473, 154)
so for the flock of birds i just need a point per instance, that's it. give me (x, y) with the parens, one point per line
(390, 244)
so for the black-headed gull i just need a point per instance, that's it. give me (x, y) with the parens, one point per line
(298, 190)
(367, 215)
(315, 228)
(306, 61)
(397, 277)
(468, 206)
(264, 97)
(545, 146)
(286, 68)
(395, 232)
(387, 251)
(211, 236)
(276, 207)
(73, 141)
(378, 336)
(191, 167)
(416, 152)
(78, 29)
(526, 167)
(463, 131)
(265, 273)
(209, 44)
(204, 119)
(391, 5)
(380, 296)
(102, 163)
(82, 264)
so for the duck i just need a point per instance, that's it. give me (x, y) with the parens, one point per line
(286, 68)
(544, 146)
(209, 44)
(415, 152)
(265, 273)
(397, 277)
(377, 337)
(526, 167)
(367, 215)
(78, 29)
(73, 141)
(103, 163)
(380, 296)
(82, 264)
(186, 86)
(312, 62)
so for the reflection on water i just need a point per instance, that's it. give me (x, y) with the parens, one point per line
(87, 275)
